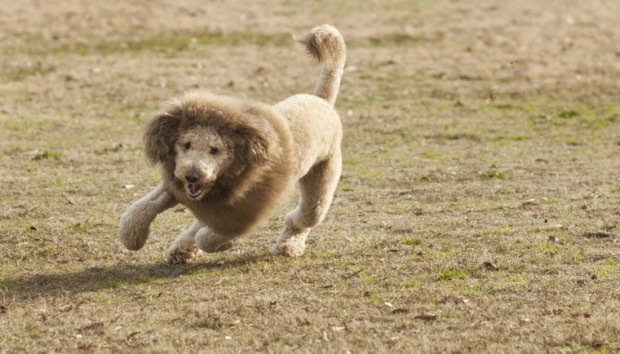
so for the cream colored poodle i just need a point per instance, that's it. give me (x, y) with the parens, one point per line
(231, 161)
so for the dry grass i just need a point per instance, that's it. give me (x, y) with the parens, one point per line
(478, 210)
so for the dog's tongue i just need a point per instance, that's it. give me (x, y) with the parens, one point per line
(194, 188)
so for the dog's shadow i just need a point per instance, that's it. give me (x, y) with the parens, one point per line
(97, 278)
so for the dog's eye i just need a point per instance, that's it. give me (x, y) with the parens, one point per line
(213, 150)
(187, 145)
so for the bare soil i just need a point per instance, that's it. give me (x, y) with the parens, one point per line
(478, 210)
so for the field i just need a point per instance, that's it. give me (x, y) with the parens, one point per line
(478, 211)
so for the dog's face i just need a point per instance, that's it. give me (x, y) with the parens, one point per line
(204, 148)
(202, 156)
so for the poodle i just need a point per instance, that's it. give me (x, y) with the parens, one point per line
(231, 161)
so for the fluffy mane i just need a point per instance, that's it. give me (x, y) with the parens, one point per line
(261, 139)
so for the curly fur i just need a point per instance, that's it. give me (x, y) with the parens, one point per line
(231, 161)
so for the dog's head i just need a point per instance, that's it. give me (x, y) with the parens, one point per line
(201, 146)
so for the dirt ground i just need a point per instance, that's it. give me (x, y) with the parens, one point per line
(478, 209)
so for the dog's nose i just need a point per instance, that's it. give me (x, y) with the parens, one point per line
(191, 177)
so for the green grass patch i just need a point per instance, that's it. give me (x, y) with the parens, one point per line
(170, 44)
(580, 116)
(327, 255)
(494, 174)
(48, 155)
(81, 227)
(5, 282)
(470, 291)
(453, 274)
(568, 114)
(410, 241)
(609, 269)
(519, 279)
(367, 279)
(389, 40)
(410, 284)
(429, 154)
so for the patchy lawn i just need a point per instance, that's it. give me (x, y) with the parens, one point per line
(478, 210)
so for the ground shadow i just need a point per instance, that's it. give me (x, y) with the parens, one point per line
(96, 278)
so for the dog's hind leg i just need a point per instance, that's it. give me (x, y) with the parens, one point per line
(317, 191)
(184, 246)
(209, 241)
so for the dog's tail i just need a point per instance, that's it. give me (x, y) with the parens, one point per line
(326, 45)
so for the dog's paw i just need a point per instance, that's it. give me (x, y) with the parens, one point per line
(132, 235)
(292, 242)
(181, 254)
(290, 248)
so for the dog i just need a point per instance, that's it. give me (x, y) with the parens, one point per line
(231, 161)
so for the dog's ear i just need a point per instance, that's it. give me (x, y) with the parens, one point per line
(256, 144)
(161, 135)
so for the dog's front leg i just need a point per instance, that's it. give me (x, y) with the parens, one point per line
(134, 226)
(184, 246)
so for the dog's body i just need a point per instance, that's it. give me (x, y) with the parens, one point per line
(231, 161)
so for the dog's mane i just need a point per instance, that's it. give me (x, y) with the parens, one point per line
(261, 140)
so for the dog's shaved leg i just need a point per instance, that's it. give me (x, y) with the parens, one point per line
(317, 192)
(135, 223)
(209, 241)
(184, 246)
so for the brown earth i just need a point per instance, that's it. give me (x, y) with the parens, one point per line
(478, 210)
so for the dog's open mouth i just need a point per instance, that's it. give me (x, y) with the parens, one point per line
(194, 190)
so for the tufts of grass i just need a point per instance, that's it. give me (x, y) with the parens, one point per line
(23, 73)
(453, 274)
(410, 284)
(367, 279)
(519, 279)
(568, 114)
(145, 280)
(5, 283)
(470, 291)
(520, 137)
(584, 117)
(494, 174)
(48, 155)
(81, 227)
(545, 247)
(210, 322)
(390, 39)
(429, 154)
(115, 284)
(172, 44)
(327, 255)
(410, 241)
(609, 269)
(375, 298)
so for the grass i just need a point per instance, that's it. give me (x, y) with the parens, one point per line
(53, 155)
(453, 274)
(494, 174)
(477, 211)
(410, 241)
